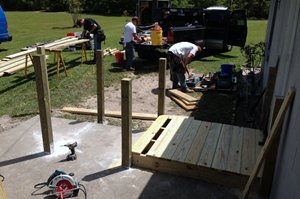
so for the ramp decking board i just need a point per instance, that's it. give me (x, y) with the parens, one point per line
(209, 148)
(170, 150)
(248, 151)
(186, 142)
(164, 141)
(198, 143)
(140, 145)
(235, 151)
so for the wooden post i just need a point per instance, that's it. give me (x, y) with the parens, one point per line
(270, 162)
(41, 76)
(41, 50)
(100, 85)
(3, 194)
(162, 86)
(126, 92)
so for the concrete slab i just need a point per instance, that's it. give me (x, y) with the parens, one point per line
(97, 167)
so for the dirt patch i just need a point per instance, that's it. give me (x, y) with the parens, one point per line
(144, 100)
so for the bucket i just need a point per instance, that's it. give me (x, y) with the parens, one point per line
(156, 35)
(226, 69)
(119, 57)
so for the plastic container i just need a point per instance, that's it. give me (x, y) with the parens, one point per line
(226, 69)
(156, 35)
(71, 34)
(119, 57)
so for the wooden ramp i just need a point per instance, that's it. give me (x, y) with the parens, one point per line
(213, 152)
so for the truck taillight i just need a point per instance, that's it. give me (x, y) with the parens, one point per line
(170, 36)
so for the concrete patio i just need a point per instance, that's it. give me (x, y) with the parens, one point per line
(24, 164)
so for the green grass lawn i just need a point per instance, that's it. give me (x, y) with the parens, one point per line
(18, 96)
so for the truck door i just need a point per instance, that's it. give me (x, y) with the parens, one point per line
(237, 32)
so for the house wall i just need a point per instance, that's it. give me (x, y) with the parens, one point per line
(285, 54)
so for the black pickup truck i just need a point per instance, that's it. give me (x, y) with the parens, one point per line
(219, 28)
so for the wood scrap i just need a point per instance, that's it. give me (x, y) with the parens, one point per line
(117, 114)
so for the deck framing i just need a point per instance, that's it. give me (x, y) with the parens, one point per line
(217, 153)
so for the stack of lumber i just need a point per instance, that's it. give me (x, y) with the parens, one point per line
(184, 100)
(10, 66)
(15, 62)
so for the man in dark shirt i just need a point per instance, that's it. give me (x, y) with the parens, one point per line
(91, 26)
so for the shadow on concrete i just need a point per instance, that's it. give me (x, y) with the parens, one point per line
(22, 159)
(162, 185)
(104, 173)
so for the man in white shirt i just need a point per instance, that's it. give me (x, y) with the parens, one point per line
(179, 57)
(130, 36)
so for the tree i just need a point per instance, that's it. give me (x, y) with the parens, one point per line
(75, 8)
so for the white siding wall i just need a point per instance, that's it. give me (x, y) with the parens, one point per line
(286, 45)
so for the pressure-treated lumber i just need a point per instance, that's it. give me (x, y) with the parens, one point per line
(183, 105)
(100, 86)
(67, 44)
(126, 112)
(182, 95)
(42, 84)
(3, 194)
(117, 114)
(162, 86)
(273, 133)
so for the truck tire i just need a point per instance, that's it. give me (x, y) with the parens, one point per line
(227, 48)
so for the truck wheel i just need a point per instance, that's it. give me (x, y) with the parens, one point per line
(227, 48)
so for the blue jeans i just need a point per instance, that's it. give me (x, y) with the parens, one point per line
(129, 53)
(97, 44)
(178, 77)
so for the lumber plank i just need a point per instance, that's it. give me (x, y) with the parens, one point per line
(235, 150)
(258, 137)
(6, 61)
(186, 142)
(169, 151)
(265, 149)
(22, 53)
(164, 140)
(249, 154)
(15, 69)
(222, 150)
(183, 105)
(210, 145)
(117, 114)
(67, 44)
(11, 65)
(198, 143)
(182, 95)
(145, 139)
(58, 42)
(3, 194)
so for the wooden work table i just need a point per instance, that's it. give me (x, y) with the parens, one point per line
(56, 47)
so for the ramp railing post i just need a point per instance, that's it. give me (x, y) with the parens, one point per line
(126, 93)
(162, 86)
(100, 85)
(42, 85)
